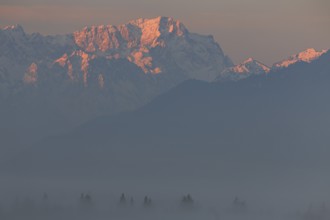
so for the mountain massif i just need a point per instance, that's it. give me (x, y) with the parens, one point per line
(50, 84)
(98, 56)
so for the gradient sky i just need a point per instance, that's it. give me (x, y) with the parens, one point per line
(266, 30)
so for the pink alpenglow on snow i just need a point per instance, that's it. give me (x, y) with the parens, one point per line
(306, 56)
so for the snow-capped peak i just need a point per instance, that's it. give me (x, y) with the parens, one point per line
(248, 60)
(306, 56)
(251, 66)
(247, 68)
(154, 27)
(13, 28)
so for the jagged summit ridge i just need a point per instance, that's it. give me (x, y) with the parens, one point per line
(307, 56)
(160, 25)
(155, 45)
(136, 33)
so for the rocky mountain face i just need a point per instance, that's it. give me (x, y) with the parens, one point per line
(160, 45)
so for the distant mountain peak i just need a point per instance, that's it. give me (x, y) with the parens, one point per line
(307, 56)
(248, 60)
(15, 27)
(247, 68)
(251, 65)
(310, 54)
(15, 31)
(161, 24)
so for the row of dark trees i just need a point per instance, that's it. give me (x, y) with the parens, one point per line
(86, 201)
(123, 201)
(186, 201)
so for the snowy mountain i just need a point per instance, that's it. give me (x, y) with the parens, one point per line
(160, 51)
(307, 56)
(247, 68)
(97, 70)
(52, 83)
(159, 45)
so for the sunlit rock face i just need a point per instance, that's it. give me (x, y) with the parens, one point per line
(157, 46)
(134, 34)
(306, 56)
(31, 75)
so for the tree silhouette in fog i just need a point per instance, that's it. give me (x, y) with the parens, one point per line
(238, 205)
(147, 201)
(187, 201)
(122, 200)
(86, 200)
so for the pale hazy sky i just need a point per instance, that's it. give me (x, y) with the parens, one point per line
(264, 29)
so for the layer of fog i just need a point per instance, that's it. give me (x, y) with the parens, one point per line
(264, 141)
(95, 202)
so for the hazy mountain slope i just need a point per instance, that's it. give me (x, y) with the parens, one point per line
(266, 127)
